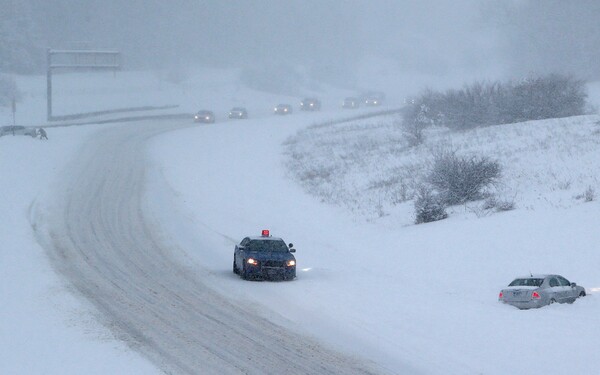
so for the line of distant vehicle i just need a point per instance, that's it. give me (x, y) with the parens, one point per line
(370, 99)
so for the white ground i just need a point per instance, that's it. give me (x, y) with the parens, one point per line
(411, 298)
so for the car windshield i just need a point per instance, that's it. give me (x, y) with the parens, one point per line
(527, 282)
(267, 245)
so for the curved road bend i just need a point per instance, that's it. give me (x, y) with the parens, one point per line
(100, 240)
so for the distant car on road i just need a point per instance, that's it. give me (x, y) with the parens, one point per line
(207, 117)
(264, 257)
(238, 113)
(17, 130)
(310, 104)
(374, 98)
(541, 290)
(351, 103)
(283, 109)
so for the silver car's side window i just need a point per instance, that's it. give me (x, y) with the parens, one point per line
(553, 282)
(563, 281)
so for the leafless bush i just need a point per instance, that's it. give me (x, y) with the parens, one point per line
(497, 204)
(461, 179)
(491, 103)
(588, 195)
(428, 206)
(413, 131)
(316, 175)
(401, 193)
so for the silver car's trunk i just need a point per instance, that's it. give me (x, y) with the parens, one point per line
(518, 294)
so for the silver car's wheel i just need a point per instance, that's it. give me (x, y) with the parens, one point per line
(582, 294)
(552, 300)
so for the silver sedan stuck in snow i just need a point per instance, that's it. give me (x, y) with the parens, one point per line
(540, 290)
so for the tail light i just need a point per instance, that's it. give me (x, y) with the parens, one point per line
(265, 233)
(535, 295)
(500, 295)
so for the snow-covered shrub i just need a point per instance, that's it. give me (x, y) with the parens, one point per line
(424, 110)
(413, 131)
(428, 206)
(494, 203)
(491, 103)
(552, 96)
(461, 179)
(588, 195)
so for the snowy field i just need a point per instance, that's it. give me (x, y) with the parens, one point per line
(416, 299)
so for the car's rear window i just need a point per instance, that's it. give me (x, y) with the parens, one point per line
(527, 282)
(267, 245)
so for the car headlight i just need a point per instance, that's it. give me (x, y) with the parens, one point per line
(196, 117)
(291, 263)
(252, 261)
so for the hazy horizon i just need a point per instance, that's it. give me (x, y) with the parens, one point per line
(432, 37)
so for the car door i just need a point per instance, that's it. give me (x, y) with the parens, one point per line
(555, 290)
(569, 293)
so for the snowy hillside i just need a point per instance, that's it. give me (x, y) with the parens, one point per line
(401, 294)
(369, 167)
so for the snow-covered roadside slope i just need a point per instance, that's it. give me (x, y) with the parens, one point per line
(44, 328)
(423, 296)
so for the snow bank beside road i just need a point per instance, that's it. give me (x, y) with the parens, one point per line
(423, 296)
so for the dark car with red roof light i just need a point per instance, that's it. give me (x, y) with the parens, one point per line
(264, 257)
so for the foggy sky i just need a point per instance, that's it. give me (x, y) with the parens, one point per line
(238, 32)
(430, 36)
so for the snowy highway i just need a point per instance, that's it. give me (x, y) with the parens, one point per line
(99, 237)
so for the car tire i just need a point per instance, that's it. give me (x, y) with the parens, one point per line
(582, 294)
(243, 273)
(552, 301)
(235, 270)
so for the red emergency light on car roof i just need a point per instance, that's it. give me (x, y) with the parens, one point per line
(265, 233)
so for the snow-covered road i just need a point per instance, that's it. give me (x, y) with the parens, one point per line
(99, 238)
